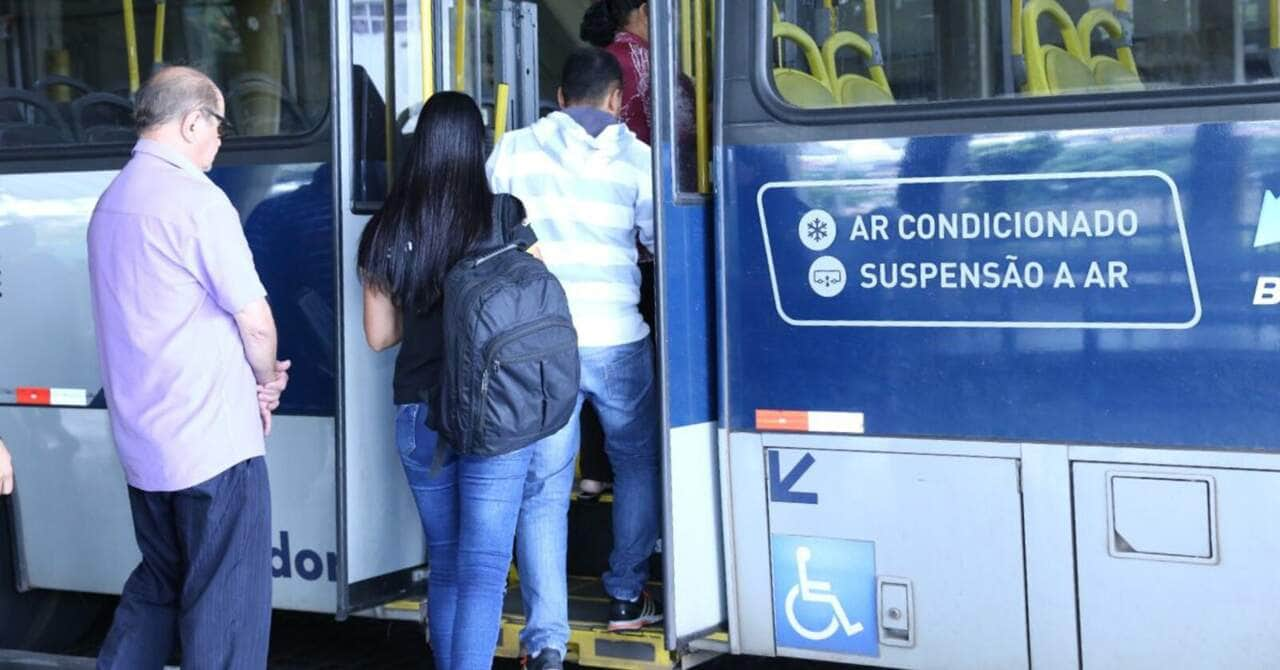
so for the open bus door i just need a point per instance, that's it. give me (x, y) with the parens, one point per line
(389, 58)
(381, 548)
(693, 550)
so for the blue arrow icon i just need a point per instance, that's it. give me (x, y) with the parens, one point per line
(780, 486)
(1268, 222)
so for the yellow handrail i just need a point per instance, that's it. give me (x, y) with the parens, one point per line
(131, 46)
(1101, 18)
(686, 39)
(852, 40)
(460, 45)
(1037, 77)
(1016, 27)
(700, 102)
(427, 37)
(158, 49)
(1275, 24)
(873, 25)
(503, 92)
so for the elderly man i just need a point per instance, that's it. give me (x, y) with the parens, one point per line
(187, 345)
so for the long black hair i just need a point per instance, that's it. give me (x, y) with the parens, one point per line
(437, 209)
(604, 18)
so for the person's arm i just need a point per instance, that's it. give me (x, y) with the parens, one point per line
(382, 325)
(6, 471)
(258, 332)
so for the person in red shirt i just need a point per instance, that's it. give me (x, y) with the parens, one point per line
(621, 27)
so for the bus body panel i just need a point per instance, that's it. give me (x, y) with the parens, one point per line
(1172, 349)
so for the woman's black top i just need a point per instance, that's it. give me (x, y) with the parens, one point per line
(422, 342)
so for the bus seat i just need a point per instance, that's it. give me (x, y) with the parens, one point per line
(800, 88)
(49, 83)
(102, 117)
(27, 118)
(258, 104)
(1120, 72)
(856, 89)
(1066, 73)
(1053, 69)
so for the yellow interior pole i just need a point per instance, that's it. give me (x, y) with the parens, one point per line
(460, 45)
(700, 103)
(833, 15)
(157, 55)
(389, 113)
(427, 29)
(1016, 25)
(686, 39)
(131, 46)
(500, 112)
(873, 23)
(1275, 24)
(1122, 5)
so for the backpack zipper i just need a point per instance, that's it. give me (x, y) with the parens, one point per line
(492, 364)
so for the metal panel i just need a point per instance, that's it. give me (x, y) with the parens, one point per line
(692, 545)
(378, 526)
(747, 547)
(85, 541)
(1168, 614)
(1051, 576)
(948, 529)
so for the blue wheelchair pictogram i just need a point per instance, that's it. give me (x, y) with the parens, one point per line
(824, 594)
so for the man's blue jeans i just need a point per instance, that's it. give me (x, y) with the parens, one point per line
(469, 506)
(619, 382)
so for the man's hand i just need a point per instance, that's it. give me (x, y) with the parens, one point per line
(269, 394)
(6, 471)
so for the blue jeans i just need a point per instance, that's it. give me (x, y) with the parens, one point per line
(469, 507)
(205, 576)
(619, 382)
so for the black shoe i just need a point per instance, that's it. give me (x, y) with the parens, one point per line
(547, 659)
(634, 614)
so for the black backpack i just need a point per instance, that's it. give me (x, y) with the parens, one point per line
(510, 374)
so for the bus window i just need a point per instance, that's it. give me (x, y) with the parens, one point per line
(692, 97)
(71, 66)
(846, 53)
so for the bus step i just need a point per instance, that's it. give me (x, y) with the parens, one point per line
(590, 642)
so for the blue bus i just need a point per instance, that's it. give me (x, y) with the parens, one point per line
(963, 312)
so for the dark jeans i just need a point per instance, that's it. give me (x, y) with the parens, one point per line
(205, 576)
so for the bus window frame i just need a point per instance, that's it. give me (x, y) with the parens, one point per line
(665, 59)
(771, 102)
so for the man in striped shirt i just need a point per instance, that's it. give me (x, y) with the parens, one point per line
(586, 183)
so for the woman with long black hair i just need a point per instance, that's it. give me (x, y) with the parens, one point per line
(439, 209)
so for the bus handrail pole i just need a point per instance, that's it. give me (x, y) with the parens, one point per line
(503, 93)
(700, 95)
(427, 35)
(158, 49)
(460, 45)
(131, 46)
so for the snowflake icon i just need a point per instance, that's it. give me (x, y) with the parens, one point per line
(817, 230)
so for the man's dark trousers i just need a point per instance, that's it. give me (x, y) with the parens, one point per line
(205, 576)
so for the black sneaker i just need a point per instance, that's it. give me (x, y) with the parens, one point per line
(634, 614)
(547, 659)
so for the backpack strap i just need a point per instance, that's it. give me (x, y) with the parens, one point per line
(509, 221)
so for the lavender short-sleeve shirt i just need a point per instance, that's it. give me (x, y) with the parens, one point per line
(169, 268)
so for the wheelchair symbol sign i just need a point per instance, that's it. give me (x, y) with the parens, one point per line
(824, 594)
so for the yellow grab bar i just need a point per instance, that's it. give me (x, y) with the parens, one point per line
(701, 107)
(131, 46)
(686, 39)
(858, 43)
(460, 45)
(427, 35)
(1037, 78)
(1016, 27)
(1275, 24)
(873, 25)
(158, 49)
(1101, 18)
(500, 112)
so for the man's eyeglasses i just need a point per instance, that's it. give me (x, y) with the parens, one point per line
(224, 126)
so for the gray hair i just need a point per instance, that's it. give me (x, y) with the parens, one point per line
(171, 93)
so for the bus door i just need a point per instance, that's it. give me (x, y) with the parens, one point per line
(390, 57)
(692, 544)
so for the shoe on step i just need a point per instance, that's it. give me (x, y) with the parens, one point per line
(634, 614)
(547, 659)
